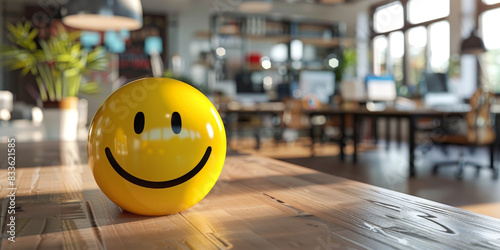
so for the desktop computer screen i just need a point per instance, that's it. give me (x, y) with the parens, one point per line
(250, 87)
(433, 83)
(249, 82)
(434, 88)
(381, 88)
(319, 83)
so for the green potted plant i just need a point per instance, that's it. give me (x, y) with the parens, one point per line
(58, 65)
(347, 67)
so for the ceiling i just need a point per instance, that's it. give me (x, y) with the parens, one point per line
(319, 9)
(313, 9)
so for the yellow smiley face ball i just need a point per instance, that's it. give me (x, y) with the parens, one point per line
(156, 146)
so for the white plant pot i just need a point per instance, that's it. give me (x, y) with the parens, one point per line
(61, 123)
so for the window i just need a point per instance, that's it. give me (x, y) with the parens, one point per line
(417, 38)
(489, 21)
(389, 56)
(419, 10)
(389, 17)
(379, 57)
(439, 46)
(424, 38)
(397, 51)
(489, 2)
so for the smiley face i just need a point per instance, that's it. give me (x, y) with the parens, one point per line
(139, 122)
(156, 146)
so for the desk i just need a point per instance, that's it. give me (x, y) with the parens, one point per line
(257, 203)
(411, 114)
(232, 111)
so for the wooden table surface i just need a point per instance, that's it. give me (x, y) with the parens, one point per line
(258, 203)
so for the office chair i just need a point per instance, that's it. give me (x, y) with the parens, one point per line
(294, 118)
(479, 133)
(433, 85)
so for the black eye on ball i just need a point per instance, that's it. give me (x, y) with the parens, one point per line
(139, 122)
(176, 123)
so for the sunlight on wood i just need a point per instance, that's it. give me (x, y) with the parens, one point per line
(489, 209)
(257, 203)
(296, 149)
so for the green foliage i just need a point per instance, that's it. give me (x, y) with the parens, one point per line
(454, 68)
(347, 64)
(58, 65)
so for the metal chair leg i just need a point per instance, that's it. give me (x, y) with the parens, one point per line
(435, 169)
(461, 164)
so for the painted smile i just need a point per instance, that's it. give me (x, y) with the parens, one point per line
(157, 184)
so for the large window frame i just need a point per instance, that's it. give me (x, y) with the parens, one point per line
(407, 25)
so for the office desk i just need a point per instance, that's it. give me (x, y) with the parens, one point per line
(257, 203)
(231, 112)
(411, 114)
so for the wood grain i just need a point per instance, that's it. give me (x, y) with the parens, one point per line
(257, 203)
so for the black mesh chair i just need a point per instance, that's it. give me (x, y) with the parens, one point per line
(480, 132)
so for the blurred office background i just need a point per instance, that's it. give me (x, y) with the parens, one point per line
(284, 50)
(267, 65)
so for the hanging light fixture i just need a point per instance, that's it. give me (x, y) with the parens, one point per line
(473, 44)
(102, 15)
(255, 5)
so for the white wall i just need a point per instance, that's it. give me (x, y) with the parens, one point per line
(363, 45)
(196, 19)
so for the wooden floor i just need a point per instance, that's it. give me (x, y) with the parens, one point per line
(388, 169)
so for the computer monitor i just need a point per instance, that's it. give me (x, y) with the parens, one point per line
(433, 83)
(284, 90)
(381, 88)
(250, 87)
(319, 83)
(434, 88)
(249, 82)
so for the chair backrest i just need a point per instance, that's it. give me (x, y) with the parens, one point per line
(294, 116)
(478, 119)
